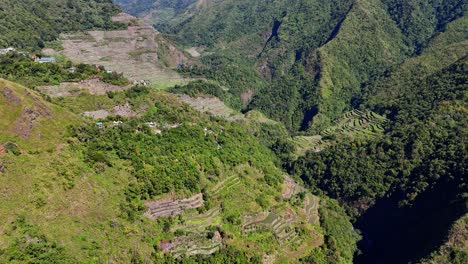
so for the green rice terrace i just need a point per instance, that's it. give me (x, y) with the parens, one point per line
(205, 222)
(352, 125)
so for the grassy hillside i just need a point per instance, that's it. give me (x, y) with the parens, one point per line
(28, 119)
(77, 192)
(28, 25)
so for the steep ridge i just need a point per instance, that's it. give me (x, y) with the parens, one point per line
(334, 46)
(403, 60)
(367, 44)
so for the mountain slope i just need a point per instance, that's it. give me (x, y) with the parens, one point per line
(28, 25)
(76, 190)
(335, 47)
(26, 117)
(324, 66)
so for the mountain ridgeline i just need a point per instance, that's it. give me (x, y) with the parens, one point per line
(319, 53)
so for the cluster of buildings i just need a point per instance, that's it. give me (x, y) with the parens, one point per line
(45, 60)
(141, 82)
(153, 125)
(36, 58)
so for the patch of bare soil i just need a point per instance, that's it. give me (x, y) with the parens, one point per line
(98, 114)
(2, 150)
(246, 97)
(24, 124)
(290, 187)
(139, 52)
(10, 96)
(211, 105)
(193, 52)
(125, 111)
(94, 86)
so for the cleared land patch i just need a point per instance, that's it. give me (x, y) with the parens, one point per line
(93, 86)
(194, 244)
(290, 187)
(139, 52)
(212, 105)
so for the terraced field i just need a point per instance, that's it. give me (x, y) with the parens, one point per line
(139, 52)
(213, 105)
(311, 206)
(226, 186)
(93, 86)
(352, 125)
(199, 222)
(194, 244)
(290, 187)
(279, 225)
(171, 207)
(357, 123)
(194, 230)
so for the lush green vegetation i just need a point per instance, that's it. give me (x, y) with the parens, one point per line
(177, 160)
(309, 62)
(309, 57)
(166, 9)
(29, 25)
(340, 239)
(383, 83)
(101, 176)
(32, 247)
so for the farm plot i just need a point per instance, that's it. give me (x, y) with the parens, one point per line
(139, 52)
(93, 86)
(212, 105)
(171, 207)
(357, 123)
(194, 244)
(199, 222)
(279, 225)
(352, 125)
(226, 186)
(311, 206)
(290, 187)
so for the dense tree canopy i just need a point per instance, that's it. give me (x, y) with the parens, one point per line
(30, 24)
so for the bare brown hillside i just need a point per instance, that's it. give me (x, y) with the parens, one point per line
(139, 52)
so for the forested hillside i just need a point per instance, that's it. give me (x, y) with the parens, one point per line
(150, 181)
(397, 162)
(317, 52)
(29, 24)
